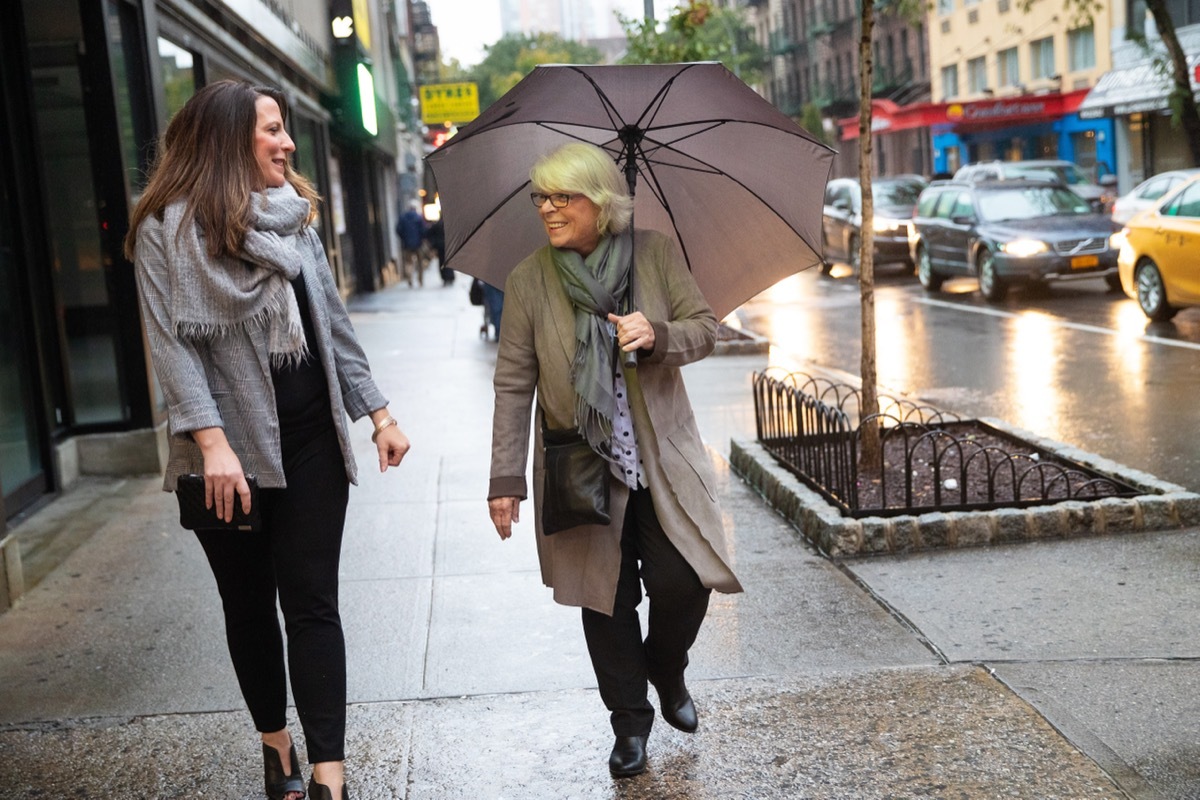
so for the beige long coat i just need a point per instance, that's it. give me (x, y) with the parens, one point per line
(537, 345)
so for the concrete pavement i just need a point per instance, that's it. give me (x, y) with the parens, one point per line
(1057, 669)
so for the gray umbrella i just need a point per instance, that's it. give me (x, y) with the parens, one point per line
(732, 179)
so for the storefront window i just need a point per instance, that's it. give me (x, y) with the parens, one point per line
(20, 459)
(126, 60)
(178, 74)
(77, 267)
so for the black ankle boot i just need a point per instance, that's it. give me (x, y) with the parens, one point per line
(628, 756)
(277, 784)
(676, 703)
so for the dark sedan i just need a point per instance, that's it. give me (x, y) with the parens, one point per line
(893, 200)
(1010, 232)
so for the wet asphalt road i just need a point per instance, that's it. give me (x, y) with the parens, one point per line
(1073, 362)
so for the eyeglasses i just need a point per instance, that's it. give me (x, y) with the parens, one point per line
(556, 200)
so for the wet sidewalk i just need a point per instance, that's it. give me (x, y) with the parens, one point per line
(1046, 670)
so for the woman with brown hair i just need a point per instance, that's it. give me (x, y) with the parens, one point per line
(260, 367)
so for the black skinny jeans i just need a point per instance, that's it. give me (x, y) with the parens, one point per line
(623, 663)
(296, 557)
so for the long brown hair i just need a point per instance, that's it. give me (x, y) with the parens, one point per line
(206, 157)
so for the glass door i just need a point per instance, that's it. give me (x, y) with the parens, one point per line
(22, 470)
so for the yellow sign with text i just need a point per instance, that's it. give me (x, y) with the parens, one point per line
(449, 102)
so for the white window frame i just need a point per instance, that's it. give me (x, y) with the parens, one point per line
(1081, 48)
(1041, 58)
(950, 82)
(977, 77)
(1008, 67)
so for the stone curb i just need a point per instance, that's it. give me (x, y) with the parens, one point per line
(746, 343)
(1163, 506)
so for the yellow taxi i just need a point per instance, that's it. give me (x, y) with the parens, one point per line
(1159, 258)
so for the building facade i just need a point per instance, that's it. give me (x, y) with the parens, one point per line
(1009, 84)
(1132, 96)
(87, 87)
(813, 47)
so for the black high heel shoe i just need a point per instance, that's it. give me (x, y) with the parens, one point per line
(319, 791)
(276, 783)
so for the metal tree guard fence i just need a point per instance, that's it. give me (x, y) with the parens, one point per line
(932, 460)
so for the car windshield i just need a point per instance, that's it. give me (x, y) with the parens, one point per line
(896, 193)
(1063, 173)
(1030, 202)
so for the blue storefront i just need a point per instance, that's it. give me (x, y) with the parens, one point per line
(1032, 126)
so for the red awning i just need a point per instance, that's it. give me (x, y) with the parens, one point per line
(886, 116)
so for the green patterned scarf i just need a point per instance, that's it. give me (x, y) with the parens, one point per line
(596, 286)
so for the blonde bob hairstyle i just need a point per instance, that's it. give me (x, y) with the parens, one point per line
(588, 170)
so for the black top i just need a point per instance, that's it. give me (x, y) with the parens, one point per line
(301, 393)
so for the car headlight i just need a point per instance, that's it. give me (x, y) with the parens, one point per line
(1023, 248)
(1118, 239)
(886, 225)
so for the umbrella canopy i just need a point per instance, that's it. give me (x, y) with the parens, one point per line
(734, 181)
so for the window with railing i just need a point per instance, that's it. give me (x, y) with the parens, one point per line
(945, 7)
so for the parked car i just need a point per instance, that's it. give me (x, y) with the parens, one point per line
(1159, 258)
(1148, 193)
(893, 200)
(1010, 232)
(1052, 170)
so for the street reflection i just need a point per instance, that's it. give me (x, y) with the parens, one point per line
(1033, 359)
(893, 341)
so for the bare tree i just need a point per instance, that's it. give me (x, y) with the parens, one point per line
(870, 456)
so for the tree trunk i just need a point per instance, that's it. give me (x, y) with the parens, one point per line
(1183, 101)
(870, 458)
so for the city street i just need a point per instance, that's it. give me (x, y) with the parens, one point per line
(1060, 669)
(1073, 363)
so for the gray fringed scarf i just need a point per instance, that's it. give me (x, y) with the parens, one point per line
(211, 298)
(595, 286)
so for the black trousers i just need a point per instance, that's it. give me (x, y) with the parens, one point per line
(623, 662)
(295, 558)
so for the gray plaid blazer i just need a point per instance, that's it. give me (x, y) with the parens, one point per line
(226, 382)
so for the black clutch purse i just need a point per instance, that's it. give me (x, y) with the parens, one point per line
(576, 488)
(189, 490)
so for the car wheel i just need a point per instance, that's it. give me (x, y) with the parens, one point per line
(1114, 282)
(854, 256)
(990, 284)
(925, 274)
(1152, 293)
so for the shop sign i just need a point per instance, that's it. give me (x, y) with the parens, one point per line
(998, 110)
(449, 102)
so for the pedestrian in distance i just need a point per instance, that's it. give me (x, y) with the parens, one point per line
(410, 228)
(260, 367)
(435, 236)
(565, 343)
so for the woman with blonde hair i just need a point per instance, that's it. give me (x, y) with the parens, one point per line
(260, 367)
(568, 326)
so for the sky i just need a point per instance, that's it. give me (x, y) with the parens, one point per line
(465, 26)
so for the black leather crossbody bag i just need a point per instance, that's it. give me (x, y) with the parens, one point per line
(576, 488)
